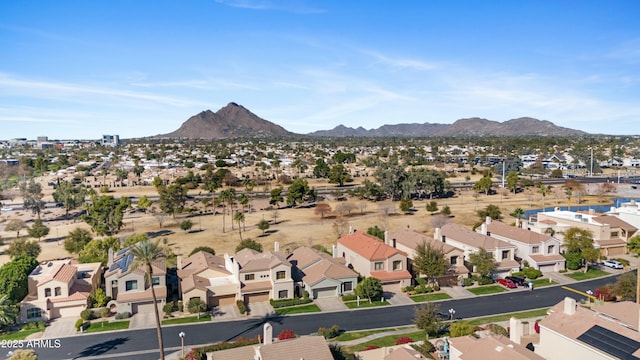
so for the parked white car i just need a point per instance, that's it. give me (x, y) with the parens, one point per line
(5, 208)
(615, 264)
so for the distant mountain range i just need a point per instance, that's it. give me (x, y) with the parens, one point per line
(235, 121)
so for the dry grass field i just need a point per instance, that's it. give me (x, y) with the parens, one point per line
(294, 227)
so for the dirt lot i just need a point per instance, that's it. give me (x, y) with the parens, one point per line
(294, 227)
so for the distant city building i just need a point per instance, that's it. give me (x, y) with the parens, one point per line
(111, 140)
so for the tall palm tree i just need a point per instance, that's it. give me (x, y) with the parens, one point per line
(145, 254)
(239, 218)
(8, 311)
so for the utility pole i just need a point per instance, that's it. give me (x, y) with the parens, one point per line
(591, 172)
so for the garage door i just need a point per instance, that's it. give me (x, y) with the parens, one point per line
(142, 308)
(392, 286)
(547, 268)
(324, 292)
(71, 311)
(222, 300)
(616, 251)
(254, 298)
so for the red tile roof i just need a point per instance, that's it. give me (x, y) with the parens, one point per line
(368, 246)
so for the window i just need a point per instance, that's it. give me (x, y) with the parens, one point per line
(505, 254)
(131, 285)
(58, 291)
(454, 260)
(248, 277)
(283, 294)
(281, 275)
(348, 286)
(378, 265)
(114, 283)
(551, 249)
(34, 312)
(535, 249)
(614, 234)
(47, 292)
(397, 265)
(156, 281)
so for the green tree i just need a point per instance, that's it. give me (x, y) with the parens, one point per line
(491, 211)
(238, 217)
(483, 262)
(426, 318)
(8, 310)
(203, 248)
(71, 196)
(580, 241)
(276, 197)
(460, 328)
(430, 261)
(172, 198)
(144, 203)
(405, 205)
(146, 253)
(97, 250)
(77, 239)
(625, 286)
(484, 185)
(263, 225)
(249, 244)
(104, 215)
(135, 238)
(432, 207)
(14, 275)
(634, 245)
(196, 305)
(518, 213)
(376, 231)
(297, 192)
(227, 197)
(186, 225)
(23, 248)
(370, 288)
(446, 211)
(38, 230)
(32, 197)
(100, 298)
(321, 170)
(15, 225)
(339, 175)
(512, 181)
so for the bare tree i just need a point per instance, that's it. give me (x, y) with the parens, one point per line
(362, 206)
(439, 220)
(340, 225)
(159, 215)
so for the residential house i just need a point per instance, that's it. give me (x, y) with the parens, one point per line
(371, 257)
(490, 347)
(628, 212)
(321, 274)
(305, 347)
(470, 242)
(59, 289)
(603, 331)
(264, 276)
(126, 284)
(610, 233)
(396, 352)
(407, 240)
(210, 278)
(540, 251)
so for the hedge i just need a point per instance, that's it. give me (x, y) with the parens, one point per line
(289, 302)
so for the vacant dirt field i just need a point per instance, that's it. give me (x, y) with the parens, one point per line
(291, 228)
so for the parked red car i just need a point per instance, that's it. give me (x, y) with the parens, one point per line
(508, 283)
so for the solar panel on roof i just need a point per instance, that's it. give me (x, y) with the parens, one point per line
(122, 251)
(610, 342)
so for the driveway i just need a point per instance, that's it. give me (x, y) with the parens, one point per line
(331, 303)
(60, 327)
(398, 298)
(143, 320)
(259, 309)
(225, 312)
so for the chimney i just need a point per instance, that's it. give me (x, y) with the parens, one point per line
(488, 220)
(179, 262)
(276, 246)
(267, 334)
(483, 229)
(386, 237)
(518, 225)
(334, 250)
(110, 256)
(351, 230)
(437, 234)
(515, 330)
(570, 306)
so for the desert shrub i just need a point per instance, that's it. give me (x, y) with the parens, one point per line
(180, 306)
(467, 282)
(424, 349)
(226, 345)
(421, 281)
(79, 324)
(168, 309)
(286, 334)
(605, 293)
(241, 306)
(408, 288)
(624, 262)
(403, 340)
(123, 315)
(531, 273)
(104, 312)
(460, 328)
(485, 280)
(288, 302)
(349, 297)
(329, 333)
(498, 330)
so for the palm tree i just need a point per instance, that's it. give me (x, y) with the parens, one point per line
(145, 254)
(243, 199)
(239, 218)
(8, 311)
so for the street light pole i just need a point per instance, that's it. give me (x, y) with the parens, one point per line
(181, 334)
(451, 313)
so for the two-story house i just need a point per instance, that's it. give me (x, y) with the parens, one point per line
(126, 284)
(321, 274)
(263, 276)
(210, 278)
(371, 257)
(407, 240)
(540, 251)
(470, 242)
(59, 289)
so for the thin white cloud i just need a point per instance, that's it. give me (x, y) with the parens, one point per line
(401, 63)
(293, 6)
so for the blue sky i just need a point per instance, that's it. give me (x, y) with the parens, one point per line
(80, 69)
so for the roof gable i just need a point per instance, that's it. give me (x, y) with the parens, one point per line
(368, 246)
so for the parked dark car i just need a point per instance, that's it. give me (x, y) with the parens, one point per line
(520, 281)
(508, 283)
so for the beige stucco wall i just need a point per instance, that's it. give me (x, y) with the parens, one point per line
(554, 346)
